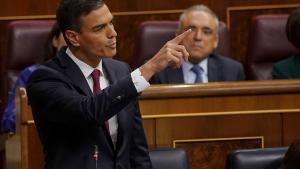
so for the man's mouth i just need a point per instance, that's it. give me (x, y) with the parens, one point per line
(112, 44)
(197, 46)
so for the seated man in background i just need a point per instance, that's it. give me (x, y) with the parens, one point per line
(54, 42)
(203, 65)
(290, 68)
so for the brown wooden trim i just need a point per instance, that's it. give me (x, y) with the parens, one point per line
(148, 12)
(114, 13)
(222, 89)
(258, 7)
(202, 114)
(220, 139)
(29, 17)
(225, 113)
(28, 122)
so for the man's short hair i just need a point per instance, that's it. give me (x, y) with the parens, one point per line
(293, 28)
(69, 12)
(200, 8)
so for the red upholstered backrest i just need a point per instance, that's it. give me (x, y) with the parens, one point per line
(26, 42)
(152, 35)
(267, 44)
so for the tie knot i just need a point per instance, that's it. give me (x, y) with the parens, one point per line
(95, 75)
(197, 69)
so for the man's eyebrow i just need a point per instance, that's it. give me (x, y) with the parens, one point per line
(102, 25)
(98, 26)
(189, 27)
(207, 28)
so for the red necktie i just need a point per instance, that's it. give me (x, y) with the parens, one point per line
(96, 88)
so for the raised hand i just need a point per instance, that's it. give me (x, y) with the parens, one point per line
(172, 53)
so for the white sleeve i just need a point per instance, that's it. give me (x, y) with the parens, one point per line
(139, 81)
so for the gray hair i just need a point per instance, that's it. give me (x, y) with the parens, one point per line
(200, 8)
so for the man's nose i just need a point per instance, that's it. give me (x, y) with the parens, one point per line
(198, 35)
(111, 31)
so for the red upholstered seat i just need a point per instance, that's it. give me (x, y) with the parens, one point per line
(267, 44)
(152, 35)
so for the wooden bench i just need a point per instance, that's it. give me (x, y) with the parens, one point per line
(207, 120)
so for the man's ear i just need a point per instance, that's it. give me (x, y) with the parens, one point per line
(73, 37)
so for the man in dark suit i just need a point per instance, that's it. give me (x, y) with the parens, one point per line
(81, 126)
(203, 65)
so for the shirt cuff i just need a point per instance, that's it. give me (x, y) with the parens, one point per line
(140, 83)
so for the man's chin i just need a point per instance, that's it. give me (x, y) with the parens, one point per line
(110, 54)
(196, 59)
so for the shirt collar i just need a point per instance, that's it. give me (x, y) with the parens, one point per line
(186, 66)
(85, 68)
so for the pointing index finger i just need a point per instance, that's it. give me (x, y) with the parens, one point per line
(180, 37)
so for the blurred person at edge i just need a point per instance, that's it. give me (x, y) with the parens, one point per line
(54, 42)
(290, 68)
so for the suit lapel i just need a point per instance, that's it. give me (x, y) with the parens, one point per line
(74, 73)
(213, 69)
(123, 116)
(110, 73)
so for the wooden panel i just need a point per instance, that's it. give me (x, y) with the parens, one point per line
(259, 2)
(212, 153)
(149, 127)
(224, 104)
(230, 97)
(31, 148)
(186, 128)
(222, 110)
(3, 81)
(291, 129)
(27, 7)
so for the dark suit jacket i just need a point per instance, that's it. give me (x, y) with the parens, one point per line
(287, 69)
(219, 69)
(70, 120)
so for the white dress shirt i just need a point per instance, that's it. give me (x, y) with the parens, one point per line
(138, 80)
(189, 76)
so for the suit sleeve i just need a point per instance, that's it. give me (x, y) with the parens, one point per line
(139, 155)
(53, 98)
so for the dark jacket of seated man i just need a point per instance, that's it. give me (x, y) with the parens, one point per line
(219, 68)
